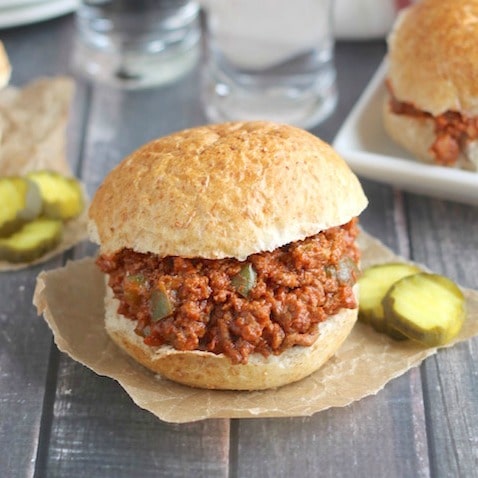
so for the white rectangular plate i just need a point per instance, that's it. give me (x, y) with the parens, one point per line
(364, 144)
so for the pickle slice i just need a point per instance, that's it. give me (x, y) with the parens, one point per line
(20, 202)
(62, 196)
(32, 241)
(428, 308)
(373, 286)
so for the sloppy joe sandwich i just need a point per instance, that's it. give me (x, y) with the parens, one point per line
(230, 254)
(432, 108)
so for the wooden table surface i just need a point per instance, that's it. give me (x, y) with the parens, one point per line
(59, 419)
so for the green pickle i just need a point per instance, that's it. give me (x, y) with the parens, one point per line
(32, 210)
(62, 196)
(373, 286)
(160, 303)
(21, 202)
(428, 308)
(133, 286)
(32, 241)
(245, 280)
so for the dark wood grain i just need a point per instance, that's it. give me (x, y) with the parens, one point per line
(444, 236)
(98, 431)
(27, 361)
(24, 360)
(378, 436)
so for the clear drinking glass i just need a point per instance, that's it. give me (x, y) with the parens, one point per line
(137, 43)
(269, 59)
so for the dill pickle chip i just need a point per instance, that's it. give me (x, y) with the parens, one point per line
(62, 196)
(20, 202)
(33, 240)
(374, 284)
(428, 308)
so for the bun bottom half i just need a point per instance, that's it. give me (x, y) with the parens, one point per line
(207, 370)
(417, 135)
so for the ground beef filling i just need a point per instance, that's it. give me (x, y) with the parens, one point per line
(453, 131)
(204, 304)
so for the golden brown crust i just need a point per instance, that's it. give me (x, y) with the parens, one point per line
(226, 190)
(433, 58)
(207, 370)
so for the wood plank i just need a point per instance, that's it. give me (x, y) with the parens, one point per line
(24, 356)
(25, 340)
(378, 436)
(98, 431)
(444, 237)
(39, 49)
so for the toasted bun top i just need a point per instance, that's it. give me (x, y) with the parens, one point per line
(227, 190)
(433, 56)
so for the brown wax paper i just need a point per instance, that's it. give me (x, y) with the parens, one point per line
(33, 122)
(71, 300)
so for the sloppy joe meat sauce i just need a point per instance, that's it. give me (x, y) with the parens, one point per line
(296, 287)
(453, 130)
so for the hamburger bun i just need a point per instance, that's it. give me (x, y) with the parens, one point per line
(417, 135)
(432, 55)
(207, 370)
(414, 134)
(225, 191)
(433, 66)
(204, 192)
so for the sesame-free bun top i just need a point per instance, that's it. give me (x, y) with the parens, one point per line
(433, 56)
(226, 190)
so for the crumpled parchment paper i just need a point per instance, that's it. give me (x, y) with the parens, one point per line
(33, 122)
(71, 300)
